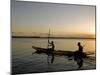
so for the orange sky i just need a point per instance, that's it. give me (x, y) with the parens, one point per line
(62, 19)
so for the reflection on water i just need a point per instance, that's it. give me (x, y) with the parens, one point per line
(24, 62)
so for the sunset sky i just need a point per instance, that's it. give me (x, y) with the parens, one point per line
(29, 18)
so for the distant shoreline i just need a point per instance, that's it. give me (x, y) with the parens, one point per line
(52, 37)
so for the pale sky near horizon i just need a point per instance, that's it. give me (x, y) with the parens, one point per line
(28, 17)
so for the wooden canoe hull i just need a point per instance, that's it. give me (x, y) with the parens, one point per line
(57, 52)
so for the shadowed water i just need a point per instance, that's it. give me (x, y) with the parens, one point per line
(24, 62)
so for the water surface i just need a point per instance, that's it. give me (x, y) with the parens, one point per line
(24, 62)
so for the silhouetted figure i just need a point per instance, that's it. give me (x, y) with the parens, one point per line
(78, 55)
(51, 50)
(80, 48)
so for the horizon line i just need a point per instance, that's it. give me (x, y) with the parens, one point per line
(55, 37)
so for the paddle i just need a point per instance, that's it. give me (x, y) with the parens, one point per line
(48, 45)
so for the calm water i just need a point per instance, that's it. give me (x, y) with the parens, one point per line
(24, 62)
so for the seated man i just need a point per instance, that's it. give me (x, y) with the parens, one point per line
(80, 47)
(78, 55)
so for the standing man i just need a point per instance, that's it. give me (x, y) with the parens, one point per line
(51, 50)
